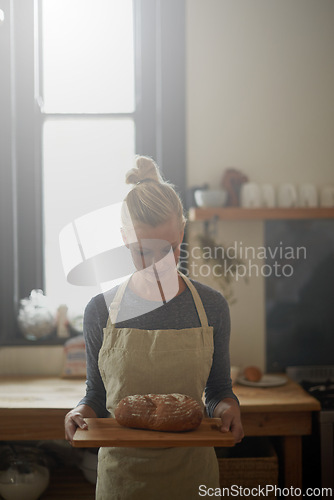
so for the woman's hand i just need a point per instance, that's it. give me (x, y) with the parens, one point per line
(75, 418)
(228, 411)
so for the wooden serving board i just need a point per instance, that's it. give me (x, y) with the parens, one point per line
(108, 432)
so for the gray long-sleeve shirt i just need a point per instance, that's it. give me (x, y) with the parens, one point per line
(178, 313)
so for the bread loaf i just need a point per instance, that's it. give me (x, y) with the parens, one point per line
(252, 373)
(159, 412)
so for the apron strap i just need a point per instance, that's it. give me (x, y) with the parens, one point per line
(197, 299)
(116, 303)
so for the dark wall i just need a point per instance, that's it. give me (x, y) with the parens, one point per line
(300, 302)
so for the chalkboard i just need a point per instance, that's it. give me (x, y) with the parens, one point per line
(299, 286)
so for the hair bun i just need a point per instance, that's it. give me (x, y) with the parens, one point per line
(145, 169)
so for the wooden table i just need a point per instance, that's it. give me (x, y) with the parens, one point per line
(284, 411)
(33, 408)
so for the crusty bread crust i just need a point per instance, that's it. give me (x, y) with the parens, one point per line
(159, 412)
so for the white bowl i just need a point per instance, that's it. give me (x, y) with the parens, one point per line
(89, 466)
(90, 474)
(235, 370)
(15, 485)
(210, 197)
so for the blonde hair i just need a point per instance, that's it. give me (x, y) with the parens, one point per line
(152, 200)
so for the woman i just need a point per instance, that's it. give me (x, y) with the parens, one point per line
(159, 332)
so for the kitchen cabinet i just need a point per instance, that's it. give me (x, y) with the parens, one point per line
(284, 411)
(68, 484)
(33, 408)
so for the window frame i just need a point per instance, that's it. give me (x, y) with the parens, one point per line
(160, 132)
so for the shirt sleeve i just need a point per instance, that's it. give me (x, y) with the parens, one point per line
(95, 391)
(219, 384)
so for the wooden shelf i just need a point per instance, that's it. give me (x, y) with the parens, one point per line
(238, 213)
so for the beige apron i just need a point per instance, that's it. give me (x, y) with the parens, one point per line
(134, 361)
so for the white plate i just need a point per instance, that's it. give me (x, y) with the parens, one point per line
(266, 381)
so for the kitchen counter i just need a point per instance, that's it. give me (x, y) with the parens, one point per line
(284, 411)
(33, 408)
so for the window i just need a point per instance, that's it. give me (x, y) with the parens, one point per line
(88, 122)
(65, 139)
